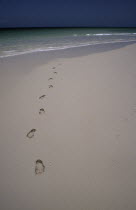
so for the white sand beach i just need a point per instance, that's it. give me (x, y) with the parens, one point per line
(85, 133)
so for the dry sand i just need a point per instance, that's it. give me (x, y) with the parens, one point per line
(84, 134)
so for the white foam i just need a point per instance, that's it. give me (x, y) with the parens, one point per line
(102, 34)
(114, 34)
(62, 48)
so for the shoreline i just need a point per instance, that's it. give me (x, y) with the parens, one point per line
(108, 45)
(18, 65)
(66, 48)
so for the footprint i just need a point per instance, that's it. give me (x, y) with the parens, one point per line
(50, 78)
(31, 133)
(55, 72)
(50, 86)
(42, 111)
(53, 67)
(41, 97)
(39, 167)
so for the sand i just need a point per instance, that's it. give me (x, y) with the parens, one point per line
(81, 115)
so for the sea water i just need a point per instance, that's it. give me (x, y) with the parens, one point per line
(22, 41)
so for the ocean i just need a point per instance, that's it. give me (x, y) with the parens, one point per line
(23, 41)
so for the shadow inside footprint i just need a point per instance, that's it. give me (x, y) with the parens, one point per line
(39, 167)
(42, 111)
(50, 78)
(31, 133)
(41, 97)
(55, 72)
(53, 67)
(50, 86)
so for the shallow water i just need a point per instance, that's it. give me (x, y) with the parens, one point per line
(22, 41)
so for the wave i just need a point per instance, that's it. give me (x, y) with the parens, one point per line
(115, 34)
(10, 53)
(106, 34)
(98, 34)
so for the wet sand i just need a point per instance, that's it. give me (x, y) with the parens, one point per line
(68, 135)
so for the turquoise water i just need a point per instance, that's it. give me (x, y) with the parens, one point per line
(22, 41)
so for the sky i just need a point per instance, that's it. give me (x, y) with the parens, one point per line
(67, 13)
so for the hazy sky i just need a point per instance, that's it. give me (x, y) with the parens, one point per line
(54, 13)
